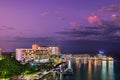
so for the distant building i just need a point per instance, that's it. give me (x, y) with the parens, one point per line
(99, 55)
(8, 54)
(35, 53)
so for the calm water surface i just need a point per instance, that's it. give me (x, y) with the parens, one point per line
(91, 70)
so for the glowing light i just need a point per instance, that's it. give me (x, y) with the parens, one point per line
(69, 64)
(101, 51)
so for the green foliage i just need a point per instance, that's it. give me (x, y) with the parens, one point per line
(53, 58)
(10, 67)
(29, 68)
(0, 56)
(46, 66)
(13, 55)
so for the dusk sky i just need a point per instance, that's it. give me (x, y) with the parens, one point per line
(74, 25)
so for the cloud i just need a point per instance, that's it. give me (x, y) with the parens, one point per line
(5, 37)
(1, 26)
(10, 28)
(80, 33)
(6, 28)
(1, 29)
(48, 41)
(31, 39)
(101, 28)
(114, 16)
(41, 40)
(62, 18)
(116, 19)
(111, 8)
(44, 14)
(94, 20)
(107, 31)
(74, 25)
(117, 33)
(111, 13)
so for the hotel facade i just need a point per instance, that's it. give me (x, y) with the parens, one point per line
(36, 53)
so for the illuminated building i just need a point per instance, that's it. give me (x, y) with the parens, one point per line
(35, 46)
(31, 54)
(55, 50)
(35, 53)
(99, 55)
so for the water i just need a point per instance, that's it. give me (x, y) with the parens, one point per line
(91, 70)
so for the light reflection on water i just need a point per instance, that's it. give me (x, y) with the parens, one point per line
(107, 70)
(111, 70)
(104, 70)
(90, 70)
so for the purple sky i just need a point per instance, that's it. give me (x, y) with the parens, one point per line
(66, 23)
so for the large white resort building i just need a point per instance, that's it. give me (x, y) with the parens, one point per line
(36, 53)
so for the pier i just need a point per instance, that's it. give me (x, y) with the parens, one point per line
(82, 57)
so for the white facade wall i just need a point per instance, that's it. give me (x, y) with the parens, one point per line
(19, 54)
(55, 50)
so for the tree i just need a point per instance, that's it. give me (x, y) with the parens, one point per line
(29, 68)
(10, 67)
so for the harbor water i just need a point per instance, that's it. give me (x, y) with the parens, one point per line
(90, 70)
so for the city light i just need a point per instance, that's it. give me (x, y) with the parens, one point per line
(101, 51)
